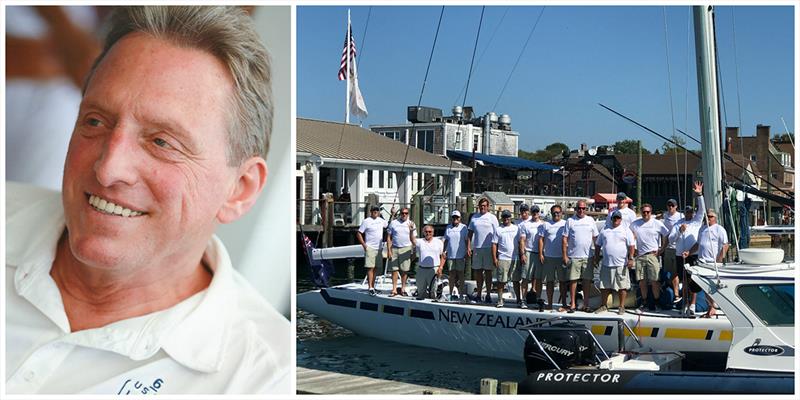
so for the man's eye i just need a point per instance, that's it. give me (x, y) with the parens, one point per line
(161, 143)
(94, 122)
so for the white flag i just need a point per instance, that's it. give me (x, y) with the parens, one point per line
(357, 105)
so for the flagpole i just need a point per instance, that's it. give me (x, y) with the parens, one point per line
(347, 72)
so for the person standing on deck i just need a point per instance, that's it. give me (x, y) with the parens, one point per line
(517, 265)
(670, 218)
(684, 234)
(431, 262)
(711, 247)
(455, 245)
(529, 264)
(651, 239)
(550, 252)
(617, 245)
(628, 215)
(504, 249)
(481, 226)
(370, 235)
(399, 248)
(579, 234)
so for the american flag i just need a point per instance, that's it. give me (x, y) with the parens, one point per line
(343, 64)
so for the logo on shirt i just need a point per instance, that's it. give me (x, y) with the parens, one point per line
(131, 387)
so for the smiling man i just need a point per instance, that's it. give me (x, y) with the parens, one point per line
(118, 285)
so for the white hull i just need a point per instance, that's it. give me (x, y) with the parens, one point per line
(488, 331)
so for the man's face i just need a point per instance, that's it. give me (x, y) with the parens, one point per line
(535, 215)
(672, 208)
(506, 220)
(712, 219)
(404, 214)
(483, 207)
(580, 209)
(150, 137)
(616, 221)
(523, 215)
(647, 212)
(456, 220)
(374, 213)
(556, 214)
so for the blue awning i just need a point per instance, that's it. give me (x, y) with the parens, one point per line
(500, 161)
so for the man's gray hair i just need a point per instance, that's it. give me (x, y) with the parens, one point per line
(229, 35)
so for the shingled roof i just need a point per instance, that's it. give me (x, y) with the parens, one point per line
(339, 141)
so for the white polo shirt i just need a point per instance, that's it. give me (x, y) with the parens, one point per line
(628, 216)
(507, 239)
(710, 241)
(648, 234)
(482, 227)
(223, 340)
(614, 244)
(669, 221)
(686, 239)
(401, 232)
(372, 229)
(552, 233)
(456, 238)
(580, 232)
(530, 229)
(430, 253)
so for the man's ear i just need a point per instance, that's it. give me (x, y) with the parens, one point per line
(252, 175)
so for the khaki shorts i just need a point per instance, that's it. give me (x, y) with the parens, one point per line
(579, 268)
(527, 270)
(455, 264)
(401, 259)
(549, 271)
(669, 261)
(502, 271)
(482, 259)
(614, 278)
(647, 267)
(372, 257)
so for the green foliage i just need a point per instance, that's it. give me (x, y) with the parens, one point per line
(545, 155)
(670, 148)
(629, 147)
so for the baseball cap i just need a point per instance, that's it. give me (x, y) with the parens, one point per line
(622, 196)
(455, 213)
(688, 209)
(374, 208)
(534, 208)
(673, 202)
(524, 207)
(616, 214)
(505, 214)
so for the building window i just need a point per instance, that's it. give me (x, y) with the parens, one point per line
(394, 135)
(457, 144)
(753, 157)
(369, 178)
(425, 140)
(380, 179)
(391, 179)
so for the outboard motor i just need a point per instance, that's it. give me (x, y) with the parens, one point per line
(567, 343)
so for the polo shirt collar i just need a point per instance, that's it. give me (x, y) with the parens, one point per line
(194, 332)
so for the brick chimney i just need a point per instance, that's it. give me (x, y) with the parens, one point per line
(731, 134)
(761, 132)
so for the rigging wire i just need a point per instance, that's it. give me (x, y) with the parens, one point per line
(738, 91)
(519, 57)
(671, 109)
(364, 41)
(686, 104)
(483, 52)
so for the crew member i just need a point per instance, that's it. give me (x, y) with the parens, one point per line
(579, 234)
(651, 239)
(684, 234)
(517, 264)
(617, 246)
(670, 218)
(399, 248)
(370, 235)
(628, 215)
(504, 249)
(431, 262)
(550, 253)
(455, 244)
(711, 247)
(529, 258)
(479, 246)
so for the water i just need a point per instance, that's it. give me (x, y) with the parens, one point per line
(325, 346)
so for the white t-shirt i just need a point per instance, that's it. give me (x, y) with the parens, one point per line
(456, 239)
(530, 229)
(684, 241)
(482, 227)
(628, 216)
(225, 339)
(507, 239)
(552, 234)
(580, 232)
(614, 243)
(430, 252)
(648, 234)
(711, 239)
(670, 221)
(400, 232)
(372, 229)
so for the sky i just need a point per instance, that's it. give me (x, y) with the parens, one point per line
(577, 57)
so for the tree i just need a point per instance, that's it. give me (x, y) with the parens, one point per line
(784, 137)
(669, 148)
(628, 147)
(546, 154)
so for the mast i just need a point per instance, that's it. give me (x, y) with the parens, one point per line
(349, 57)
(709, 109)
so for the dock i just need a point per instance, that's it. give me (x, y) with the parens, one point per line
(313, 381)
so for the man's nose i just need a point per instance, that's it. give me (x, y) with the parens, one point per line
(117, 164)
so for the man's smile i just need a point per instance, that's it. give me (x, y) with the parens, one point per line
(108, 207)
